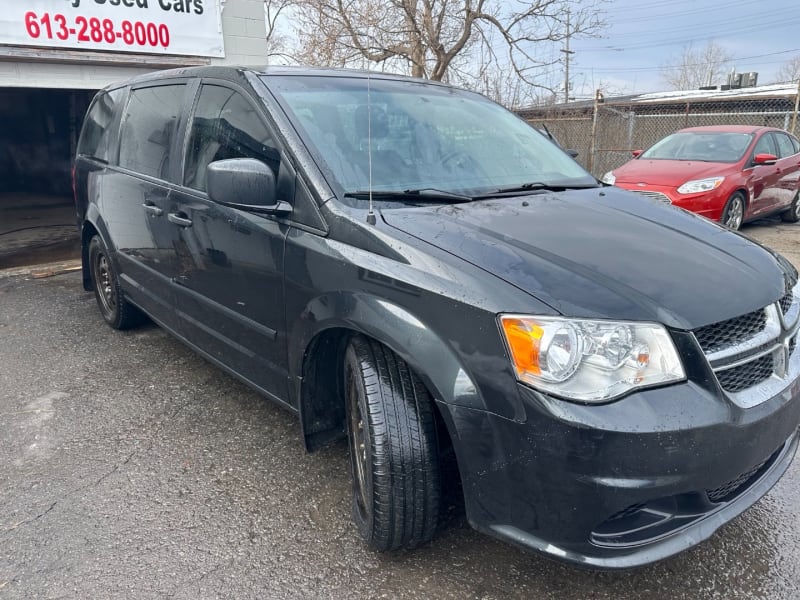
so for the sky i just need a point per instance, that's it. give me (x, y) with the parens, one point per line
(643, 35)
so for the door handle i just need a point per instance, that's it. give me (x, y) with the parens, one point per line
(153, 210)
(179, 220)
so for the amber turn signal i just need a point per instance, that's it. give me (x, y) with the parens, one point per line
(524, 342)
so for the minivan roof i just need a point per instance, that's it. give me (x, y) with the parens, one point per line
(237, 72)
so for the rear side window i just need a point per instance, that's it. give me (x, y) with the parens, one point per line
(226, 125)
(785, 146)
(795, 144)
(96, 132)
(148, 129)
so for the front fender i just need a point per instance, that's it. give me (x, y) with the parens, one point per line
(394, 326)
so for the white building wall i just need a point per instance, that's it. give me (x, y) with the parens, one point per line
(245, 33)
(243, 29)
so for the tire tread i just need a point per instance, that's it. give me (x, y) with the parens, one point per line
(404, 450)
(126, 316)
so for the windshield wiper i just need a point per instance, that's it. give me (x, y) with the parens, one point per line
(534, 186)
(423, 194)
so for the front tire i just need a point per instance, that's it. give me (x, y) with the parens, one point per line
(793, 214)
(733, 215)
(116, 310)
(393, 448)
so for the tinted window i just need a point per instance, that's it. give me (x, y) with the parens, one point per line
(148, 129)
(96, 128)
(785, 146)
(226, 125)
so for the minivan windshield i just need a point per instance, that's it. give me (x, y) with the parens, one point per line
(420, 136)
(700, 146)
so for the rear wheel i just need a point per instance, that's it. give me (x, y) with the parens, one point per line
(733, 215)
(393, 448)
(116, 310)
(793, 214)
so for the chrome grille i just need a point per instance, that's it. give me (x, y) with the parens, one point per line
(746, 375)
(654, 195)
(724, 334)
(753, 356)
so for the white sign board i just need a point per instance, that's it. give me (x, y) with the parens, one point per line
(184, 27)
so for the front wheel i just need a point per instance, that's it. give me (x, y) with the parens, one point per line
(793, 214)
(733, 215)
(393, 448)
(116, 310)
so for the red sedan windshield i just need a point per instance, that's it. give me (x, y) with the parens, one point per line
(701, 146)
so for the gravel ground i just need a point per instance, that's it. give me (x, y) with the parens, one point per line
(131, 468)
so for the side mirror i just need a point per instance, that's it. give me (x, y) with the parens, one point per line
(636, 153)
(572, 152)
(245, 183)
(765, 159)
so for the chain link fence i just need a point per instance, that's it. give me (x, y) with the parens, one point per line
(606, 132)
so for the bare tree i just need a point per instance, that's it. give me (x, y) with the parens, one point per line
(439, 39)
(277, 42)
(503, 86)
(696, 67)
(789, 71)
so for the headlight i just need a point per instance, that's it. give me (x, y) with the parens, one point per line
(589, 361)
(701, 185)
(609, 178)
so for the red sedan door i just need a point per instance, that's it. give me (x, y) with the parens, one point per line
(788, 166)
(764, 178)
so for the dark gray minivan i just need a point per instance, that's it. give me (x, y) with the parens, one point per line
(415, 268)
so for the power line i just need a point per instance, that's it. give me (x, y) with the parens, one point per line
(726, 6)
(678, 22)
(661, 67)
(621, 47)
(644, 5)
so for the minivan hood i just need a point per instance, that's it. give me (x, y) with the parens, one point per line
(605, 253)
(668, 172)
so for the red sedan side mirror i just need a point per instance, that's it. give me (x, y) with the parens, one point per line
(636, 153)
(765, 159)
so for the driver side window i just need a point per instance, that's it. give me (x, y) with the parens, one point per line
(225, 125)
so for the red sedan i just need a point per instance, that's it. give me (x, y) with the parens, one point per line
(727, 173)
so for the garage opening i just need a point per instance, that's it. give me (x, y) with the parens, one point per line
(39, 131)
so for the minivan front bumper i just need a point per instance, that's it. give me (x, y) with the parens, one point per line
(623, 484)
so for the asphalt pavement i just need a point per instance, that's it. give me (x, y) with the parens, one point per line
(132, 468)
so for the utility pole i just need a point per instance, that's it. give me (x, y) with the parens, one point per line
(567, 53)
